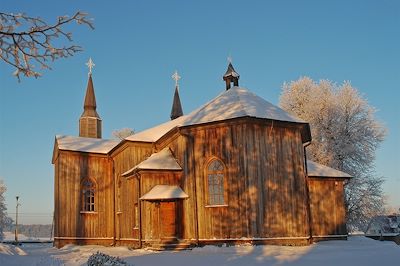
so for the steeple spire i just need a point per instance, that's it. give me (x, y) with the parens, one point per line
(89, 105)
(90, 122)
(176, 110)
(231, 76)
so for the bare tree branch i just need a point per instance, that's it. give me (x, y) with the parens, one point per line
(34, 42)
(123, 133)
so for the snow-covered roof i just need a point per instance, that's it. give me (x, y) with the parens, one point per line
(71, 143)
(231, 72)
(163, 160)
(155, 133)
(160, 192)
(318, 170)
(233, 103)
(238, 102)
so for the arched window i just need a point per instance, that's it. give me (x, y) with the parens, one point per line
(215, 182)
(88, 195)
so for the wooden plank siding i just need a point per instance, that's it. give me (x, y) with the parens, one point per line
(70, 222)
(127, 190)
(265, 180)
(327, 207)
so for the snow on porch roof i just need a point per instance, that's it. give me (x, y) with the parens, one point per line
(233, 103)
(318, 170)
(71, 143)
(163, 160)
(160, 192)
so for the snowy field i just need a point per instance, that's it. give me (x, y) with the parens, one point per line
(357, 250)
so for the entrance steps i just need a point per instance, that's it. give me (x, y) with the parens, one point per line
(170, 244)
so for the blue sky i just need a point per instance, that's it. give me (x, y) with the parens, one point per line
(137, 45)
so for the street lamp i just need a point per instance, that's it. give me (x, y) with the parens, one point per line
(16, 221)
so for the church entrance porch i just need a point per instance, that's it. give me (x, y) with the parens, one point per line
(164, 230)
(162, 216)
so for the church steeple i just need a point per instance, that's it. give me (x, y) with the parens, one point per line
(231, 76)
(176, 110)
(90, 121)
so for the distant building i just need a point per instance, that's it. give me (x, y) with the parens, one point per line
(384, 224)
(232, 171)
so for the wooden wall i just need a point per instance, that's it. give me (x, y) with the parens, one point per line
(327, 207)
(265, 174)
(266, 185)
(126, 190)
(70, 221)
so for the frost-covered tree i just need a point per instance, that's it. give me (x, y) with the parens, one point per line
(122, 133)
(26, 40)
(345, 136)
(3, 213)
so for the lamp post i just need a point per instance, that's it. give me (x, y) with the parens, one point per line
(16, 221)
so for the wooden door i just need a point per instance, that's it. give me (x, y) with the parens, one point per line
(168, 219)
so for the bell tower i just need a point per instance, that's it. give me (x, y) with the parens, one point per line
(231, 76)
(90, 121)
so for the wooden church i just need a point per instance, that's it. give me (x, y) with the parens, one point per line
(233, 170)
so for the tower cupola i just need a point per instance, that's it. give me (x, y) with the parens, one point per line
(231, 76)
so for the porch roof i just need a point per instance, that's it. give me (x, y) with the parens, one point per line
(162, 192)
(163, 160)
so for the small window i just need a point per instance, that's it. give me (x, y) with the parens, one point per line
(215, 182)
(88, 195)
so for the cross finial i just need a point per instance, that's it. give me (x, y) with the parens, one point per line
(176, 77)
(90, 65)
(230, 59)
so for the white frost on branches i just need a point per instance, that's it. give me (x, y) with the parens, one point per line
(345, 136)
(3, 213)
(26, 40)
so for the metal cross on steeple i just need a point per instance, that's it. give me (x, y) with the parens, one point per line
(176, 77)
(90, 65)
(229, 59)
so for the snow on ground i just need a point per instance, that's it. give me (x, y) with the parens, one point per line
(358, 250)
